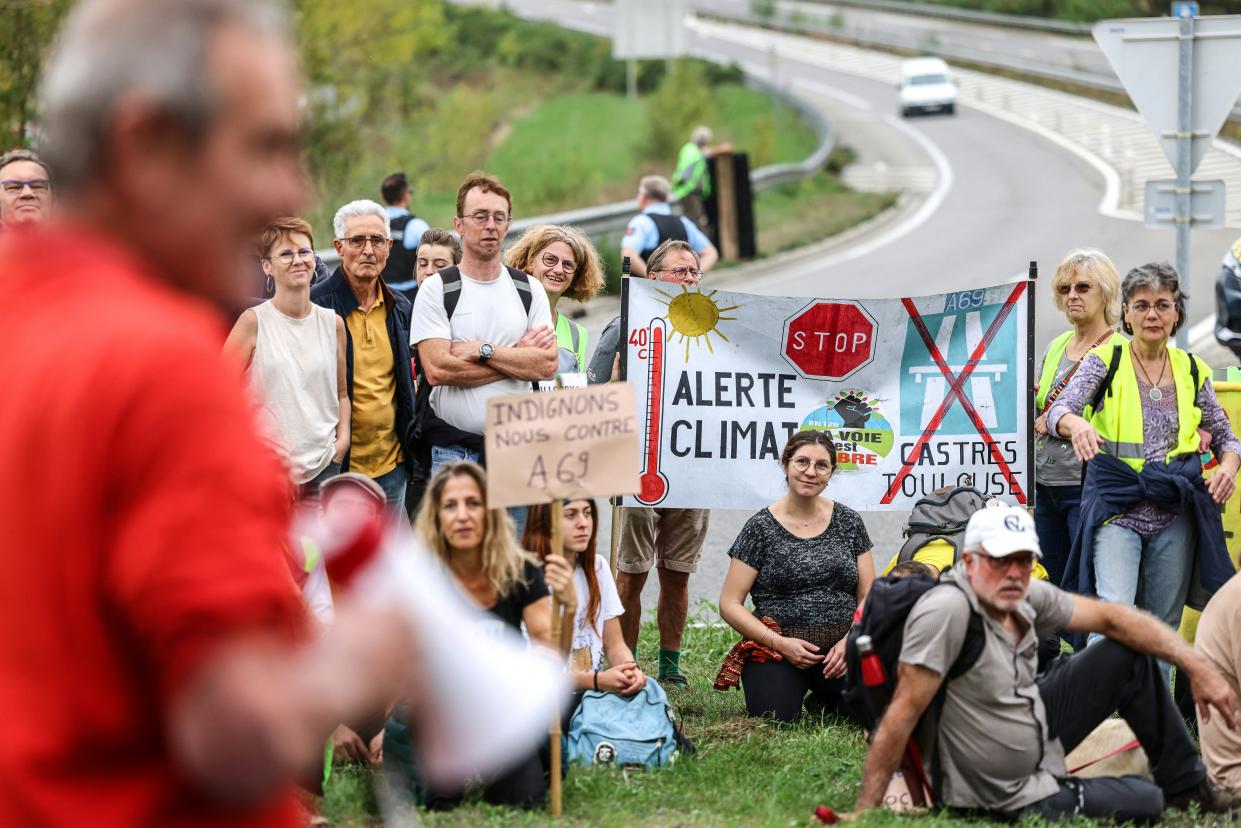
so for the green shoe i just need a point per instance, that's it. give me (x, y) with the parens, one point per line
(673, 680)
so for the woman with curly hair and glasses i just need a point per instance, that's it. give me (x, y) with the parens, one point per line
(566, 264)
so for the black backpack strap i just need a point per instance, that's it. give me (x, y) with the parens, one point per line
(452, 289)
(1105, 387)
(1193, 373)
(522, 282)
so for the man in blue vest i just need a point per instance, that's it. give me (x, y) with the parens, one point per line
(655, 224)
(406, 229)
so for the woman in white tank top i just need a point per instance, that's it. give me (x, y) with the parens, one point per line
(294, 351)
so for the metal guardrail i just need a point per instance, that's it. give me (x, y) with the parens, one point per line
(1008, 21)
(607, 218)
(921, 45)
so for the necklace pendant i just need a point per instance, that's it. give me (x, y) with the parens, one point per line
(1155, 394)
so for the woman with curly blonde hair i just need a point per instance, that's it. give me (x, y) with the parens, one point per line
(565, 262)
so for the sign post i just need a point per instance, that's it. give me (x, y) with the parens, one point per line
(557, 446)
(1181, 74)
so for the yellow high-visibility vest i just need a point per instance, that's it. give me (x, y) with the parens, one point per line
(1119, 416)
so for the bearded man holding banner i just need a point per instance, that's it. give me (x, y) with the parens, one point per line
(670, 540)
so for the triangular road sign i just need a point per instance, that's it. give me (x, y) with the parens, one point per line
(1144, 54)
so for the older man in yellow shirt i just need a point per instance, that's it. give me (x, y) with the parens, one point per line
(379, 368)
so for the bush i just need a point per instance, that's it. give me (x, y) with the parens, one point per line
(682, 102)
(763, 8)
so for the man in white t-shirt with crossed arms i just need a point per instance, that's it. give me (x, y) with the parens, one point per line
(492, 344)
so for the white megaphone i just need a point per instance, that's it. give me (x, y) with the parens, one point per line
(484, 698)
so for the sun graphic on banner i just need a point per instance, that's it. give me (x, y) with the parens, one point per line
(695, 315)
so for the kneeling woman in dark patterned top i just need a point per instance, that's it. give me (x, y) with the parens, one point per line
(806, 562)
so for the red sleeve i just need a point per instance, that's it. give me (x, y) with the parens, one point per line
(203, 513)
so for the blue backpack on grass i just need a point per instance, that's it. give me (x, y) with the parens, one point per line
(640, 731)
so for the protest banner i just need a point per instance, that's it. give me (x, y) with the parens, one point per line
(918, 393)
(556, 446)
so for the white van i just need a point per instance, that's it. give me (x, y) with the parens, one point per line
(927, 86)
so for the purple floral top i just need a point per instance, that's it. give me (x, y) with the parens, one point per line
(1160, 425)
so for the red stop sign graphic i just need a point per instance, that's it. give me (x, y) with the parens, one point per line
(829, 340)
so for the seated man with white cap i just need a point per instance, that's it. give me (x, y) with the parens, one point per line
(1003, 731)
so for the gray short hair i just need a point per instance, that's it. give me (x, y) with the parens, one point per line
(108, 49)
(1154, 276)
(23, 155)
(656, 261)
(355, 209)
(702, 136)
(655, 187)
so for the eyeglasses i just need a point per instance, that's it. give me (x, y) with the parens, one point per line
(13, 186)
(286, 257)
(550, 260)
(1025, 562)
(822, 468)
(1162, 307)
(1081, 287)
(359, 242)
(681, 272)
(480, 217)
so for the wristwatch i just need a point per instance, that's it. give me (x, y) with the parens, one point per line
(484, 352)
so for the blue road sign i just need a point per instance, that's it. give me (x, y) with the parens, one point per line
(1185, 8)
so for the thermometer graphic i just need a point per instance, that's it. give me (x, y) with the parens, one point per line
(653, 486)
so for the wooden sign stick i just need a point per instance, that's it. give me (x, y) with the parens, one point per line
(558, 638)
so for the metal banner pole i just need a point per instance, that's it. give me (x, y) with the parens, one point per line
(1031, 379)
(1184, 158)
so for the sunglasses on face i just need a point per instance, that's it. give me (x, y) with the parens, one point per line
(1082, 288)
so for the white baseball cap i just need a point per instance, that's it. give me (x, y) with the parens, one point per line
(1001, 531)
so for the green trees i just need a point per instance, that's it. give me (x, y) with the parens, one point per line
(27, 27)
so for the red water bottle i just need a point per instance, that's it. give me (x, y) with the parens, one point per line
(874, 677)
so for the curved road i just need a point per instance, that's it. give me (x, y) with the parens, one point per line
(1003, 196)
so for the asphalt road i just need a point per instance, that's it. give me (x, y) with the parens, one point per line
(1067, 52)
(1004, 196)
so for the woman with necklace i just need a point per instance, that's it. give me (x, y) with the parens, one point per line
(806, 562)
(1149, 521)
(1085, 288)
(565, 262)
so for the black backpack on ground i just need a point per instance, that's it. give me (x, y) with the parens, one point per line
(941, 517)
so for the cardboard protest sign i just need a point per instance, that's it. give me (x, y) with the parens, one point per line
(579, 442)
(918, 393)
